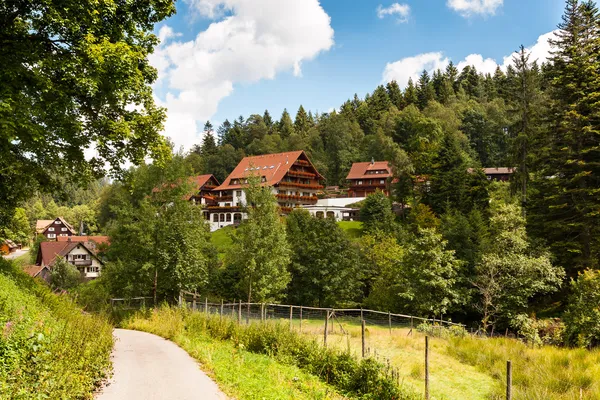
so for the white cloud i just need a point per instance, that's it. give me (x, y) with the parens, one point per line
(401, 10)
(469, 8)
(412, 67)
(249, 40)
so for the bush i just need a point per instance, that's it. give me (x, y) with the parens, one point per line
(582, 318)
(365, 379)
(451, 331)
(48, 347)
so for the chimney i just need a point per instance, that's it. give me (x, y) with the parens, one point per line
(372, 161)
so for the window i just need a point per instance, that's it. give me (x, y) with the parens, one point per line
(59, 222)
(228, 217)
(360, 182)
(63, 234)
(382, 182)
(63, 229)
(238, 193)
(215, 217)
(91, 269)
(51, 229)
(51, 236)
(222, 217)
(263, 179)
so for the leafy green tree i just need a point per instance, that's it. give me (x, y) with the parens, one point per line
(380, 253)
(75, 69)
(376, 213)
(511, 271)
(341, 139)
(324, 263)
(18, 229)
(582, 318)
(564, 201)
(259, 256)
(64, 275)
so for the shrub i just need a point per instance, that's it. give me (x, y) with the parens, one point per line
(582, 318)
(48, 347)
(442, 331)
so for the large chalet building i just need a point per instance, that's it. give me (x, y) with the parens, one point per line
(293, 178)
(54, 228)
(365, 178)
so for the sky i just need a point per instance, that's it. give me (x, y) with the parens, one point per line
(219, 59)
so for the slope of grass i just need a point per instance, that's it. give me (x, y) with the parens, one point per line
(474, 368)
(221, 238)
(49, 349)
(354, 229)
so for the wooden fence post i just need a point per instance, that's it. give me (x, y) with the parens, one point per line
(508, 380)
(325, 332)
(206, 305)
(426, 367)
(362, 330)
(221, 310)
(291, 317)
(233, 310)
(262, 312)
(240, 313)
(248, 313)
(194, 302)
(390, 321)
(300, 318)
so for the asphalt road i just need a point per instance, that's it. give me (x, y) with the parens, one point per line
(148, 367)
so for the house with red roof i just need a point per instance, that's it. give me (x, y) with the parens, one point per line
(81, 254)
(291, 175)
(365, 178)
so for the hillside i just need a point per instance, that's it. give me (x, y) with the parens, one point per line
(49, 348)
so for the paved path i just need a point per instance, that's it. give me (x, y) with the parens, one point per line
(148, 367)
(16, 254)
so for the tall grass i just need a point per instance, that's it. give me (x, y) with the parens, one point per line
(365, 379)
(49, 349)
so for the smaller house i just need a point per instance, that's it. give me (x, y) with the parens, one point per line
(38, 271)
(366, 178)
(8, 246)
(498, 174)
(96, 243)
(54, 228)
(80, 254)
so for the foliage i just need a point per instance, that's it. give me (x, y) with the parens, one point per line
(260, 253)
(376, 213)
(324, 263)
(48, 347)
(17, 229)
(64, 275)
(75, 71)
(582, 318)
(511, 270)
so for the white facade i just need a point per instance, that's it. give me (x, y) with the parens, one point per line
(85, 262)
(338, 213)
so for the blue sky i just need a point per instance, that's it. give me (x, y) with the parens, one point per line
(224, 58)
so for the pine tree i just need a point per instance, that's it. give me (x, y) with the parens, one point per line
(267, 119)
(286, 127)
(301, 124)
(209, 146)
(452, 76)
(566, 203)
(222, 131)
(395, 94)
(379, 102)
(425, 90)
(410, 93)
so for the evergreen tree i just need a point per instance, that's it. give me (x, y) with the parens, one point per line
(566, 202)
(267, 119)
(209, 146)
(379, 102)
(395, 94)
(222, 131)
(410, 93)
(452, 76)
(286, 127)
(425, 90)
(376, 213)
(302, 123)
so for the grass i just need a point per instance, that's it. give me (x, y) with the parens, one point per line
(221, 239)
(48, 347)
(239, 373)
(295, 361)
(472, 368)
(354, 229)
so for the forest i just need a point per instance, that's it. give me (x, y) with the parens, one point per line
(523, 255)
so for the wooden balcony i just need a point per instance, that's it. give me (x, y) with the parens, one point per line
(81, 263)
(301, 185)
(224, 208)
(302, 174)
(224, 198)
(296, 198)
(303, 163)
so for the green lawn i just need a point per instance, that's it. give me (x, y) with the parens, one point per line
(354, 229)
(222, 240)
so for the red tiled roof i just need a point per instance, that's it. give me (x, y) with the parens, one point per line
(272, 166)
(359, 170)
(33, 270)
(50, 250)
(96, 239)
